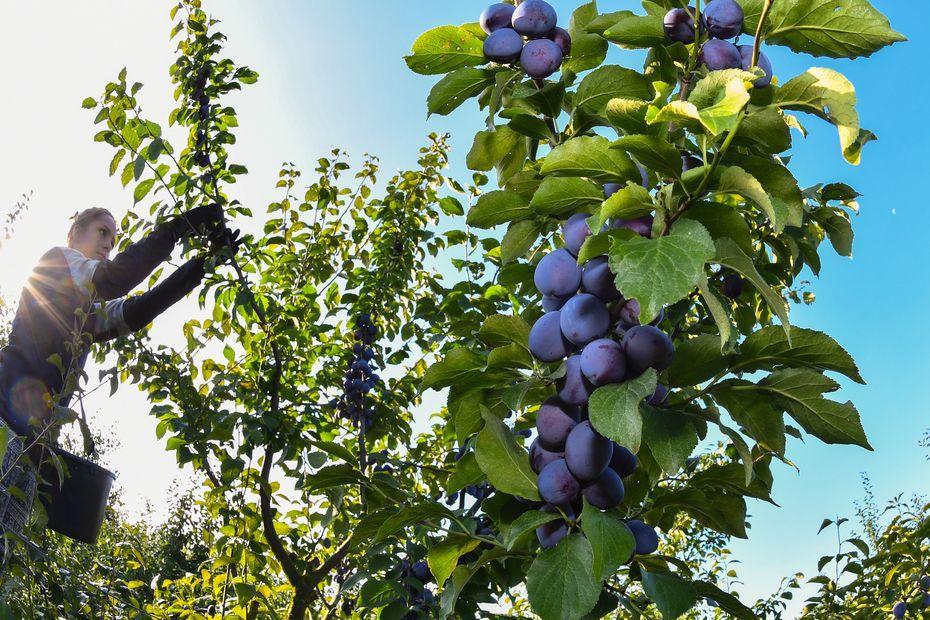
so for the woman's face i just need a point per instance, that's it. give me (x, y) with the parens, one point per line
(97, 238)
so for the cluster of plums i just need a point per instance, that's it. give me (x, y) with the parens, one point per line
(527, 33)
(588, 322)
(415, 575)
(900, 608)
(721, 20)
(360, 377)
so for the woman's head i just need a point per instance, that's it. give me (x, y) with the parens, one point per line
(93, 232)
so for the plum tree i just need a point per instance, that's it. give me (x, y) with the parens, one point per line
(584, 318)
(718, 54)
(554, 421)
(534, 18)
(732, 285)
(626, 314)
(541, 58)
(622, 460)
(547, 342)
(723, 19)
(587, 452)
(610, 189)
(574, 232)
(900, 609)
(603, 362)
(598, 280)
(496, 16)
(647, 541)
(574, 388)
(563, 39)
(606, 492)
(659, 397)
(647, 346)
(549, 534)
(540, 457)
(763, 62)
(557, 274)
(503, 45)
(556, 483)
(679, 25)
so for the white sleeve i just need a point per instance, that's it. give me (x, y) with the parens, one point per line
(82, 269)
(108, 321)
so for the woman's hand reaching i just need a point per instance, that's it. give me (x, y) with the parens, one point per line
(224, 243)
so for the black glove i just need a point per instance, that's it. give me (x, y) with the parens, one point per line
(204, 218)
(222, 240)
(140, 310)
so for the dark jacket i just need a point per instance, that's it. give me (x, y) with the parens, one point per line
(70, 298)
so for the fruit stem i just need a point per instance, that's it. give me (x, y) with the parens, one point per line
(550, 122)
(757, 43)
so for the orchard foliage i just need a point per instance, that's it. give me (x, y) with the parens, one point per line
(676, 179)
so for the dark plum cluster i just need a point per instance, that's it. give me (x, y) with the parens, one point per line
(721, 20)
(415, 576)
(528, 34)
(360, 377)
(590, 325)
(574, 461)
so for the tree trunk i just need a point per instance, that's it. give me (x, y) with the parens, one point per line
(299, 605)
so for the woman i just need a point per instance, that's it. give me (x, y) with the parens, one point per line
(76, 296)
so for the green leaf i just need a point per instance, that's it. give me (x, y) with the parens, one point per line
(89, 103)
(411, 515)
(696, 360)
(838, 228)
(610, 538)
(672, 595)
(631, 201)
(610, 82)
(528, 125)
(450, 370)
(443, 557)
(502, 329)
(599, 244)
(769, 347)
(829, 95)
(455, 88)
(466, 473)
(627, 115)
(669, 436)
(588, 50)
(498, 207)
(560, 583)
(527, 522)
(615, 409)
(799, 390)
(506, 464)
(142, 189)
(847, 29)
(377, 593)
(719, 314)
(725, 601)
(754, 411)
(445, 49)
(719, 511)
(657, 272)
(117, 158)
(779, 183)
(720, 97)
(637, 31)
(491, 147)
(722, 220)
(735, 180)
(652, 152)
(450, 205)
(766, 129)
(519, 238)
(592, 157)
(729, 255)
(558, 195)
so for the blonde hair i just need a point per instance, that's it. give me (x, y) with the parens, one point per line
(82, 219)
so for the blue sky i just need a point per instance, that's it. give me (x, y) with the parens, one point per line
(332, 75)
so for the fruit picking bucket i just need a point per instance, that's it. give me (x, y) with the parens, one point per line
(76, 508)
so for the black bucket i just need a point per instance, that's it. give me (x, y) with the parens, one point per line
(77, 508)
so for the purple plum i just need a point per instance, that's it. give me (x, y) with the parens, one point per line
(556, 483)
(541, 58)
(647, 346)
(647, 541)
(623, 461)
(534, 18)
(723, 19)
(503, 45)
(745, 52)
(574, 232)
(496, 16)
(603, 362)
(606, 491)
(558, 274)
(547, 343)
(540, 457)
(574, 388)
(554, 421)
(551, 302)
(718, 54)
(562, 39)
(584, 318)
(587, 452)
(679, 25)
(641, 225)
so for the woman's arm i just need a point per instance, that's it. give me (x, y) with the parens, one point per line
(117, 277)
